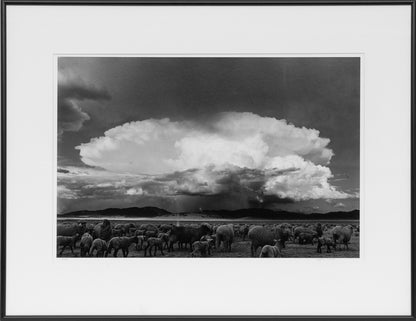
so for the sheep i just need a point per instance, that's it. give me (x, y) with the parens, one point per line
(283, 233)
(85, 244)
(224, 234)
(148, 234)
(318, 229)
(117, 232)
(307, 238)
(212, 238)
(149, 227)
(243, 231)
(156, 243)
(101, 247)
(125, 229)
(300, 229)
(90, 228)
(187, 234)
(103, 230)
(165, 238)
(260, 236)
(324, 240)
(164, 228)
(271, 250)
(202, 247)
(122, 243)
(342, 234)
(71, 229)
(140, 242)
(65, 241)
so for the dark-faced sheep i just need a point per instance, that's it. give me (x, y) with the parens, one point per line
(342, 235)
(319, 230)
(225, 235)
(103, 230)
(85, 244)
(271, 250)
(67, 241)
(244, 231)
(100, 246)
(121, 243)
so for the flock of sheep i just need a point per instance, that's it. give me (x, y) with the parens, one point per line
(201, 240)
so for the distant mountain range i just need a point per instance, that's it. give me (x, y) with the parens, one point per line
(249, 213)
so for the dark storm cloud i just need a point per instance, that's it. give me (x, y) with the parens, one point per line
(79, 90)
(71, 117)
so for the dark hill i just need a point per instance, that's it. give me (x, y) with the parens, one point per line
(253, 213)
(284, 215)
(125, 212)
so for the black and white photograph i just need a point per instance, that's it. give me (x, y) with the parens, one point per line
(213, 157)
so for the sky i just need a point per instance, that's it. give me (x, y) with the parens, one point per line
(189, 134)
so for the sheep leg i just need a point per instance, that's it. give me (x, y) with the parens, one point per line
(115, 252)
(72, 250)
(161, 250)
(62, 250)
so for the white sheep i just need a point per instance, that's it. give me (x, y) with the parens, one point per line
(156, 243)
(85, 244)
(101, 247)
(271, 250)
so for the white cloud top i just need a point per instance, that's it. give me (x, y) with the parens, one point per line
(160, 146)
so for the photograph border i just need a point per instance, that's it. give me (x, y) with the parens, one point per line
(6, 3)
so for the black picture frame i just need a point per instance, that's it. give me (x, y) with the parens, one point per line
(7, 3)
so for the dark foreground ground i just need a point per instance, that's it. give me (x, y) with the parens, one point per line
(241, 248)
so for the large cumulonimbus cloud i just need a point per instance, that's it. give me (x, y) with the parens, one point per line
(229, 153)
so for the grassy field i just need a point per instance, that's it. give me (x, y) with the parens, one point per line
(241, 248)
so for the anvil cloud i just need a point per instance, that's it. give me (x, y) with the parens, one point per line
(231, 152)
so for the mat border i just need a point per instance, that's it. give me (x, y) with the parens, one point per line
(6, 3)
